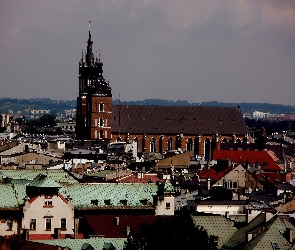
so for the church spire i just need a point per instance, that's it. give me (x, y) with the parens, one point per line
(89, 54)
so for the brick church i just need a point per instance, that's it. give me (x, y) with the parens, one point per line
(197, 129)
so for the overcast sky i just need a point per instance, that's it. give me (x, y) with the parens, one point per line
(195, 50)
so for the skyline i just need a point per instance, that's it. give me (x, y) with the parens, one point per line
(199, 51)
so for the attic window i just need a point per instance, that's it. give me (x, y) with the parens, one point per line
(143, 202)
(94, 202)
(107, 202)
(124, 202)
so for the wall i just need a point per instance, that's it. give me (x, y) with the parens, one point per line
(35, 209)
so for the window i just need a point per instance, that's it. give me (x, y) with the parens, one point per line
(167, 205)
(101, 122)
(101, 107)
(63, 223)
(9, 224)
(33, 224)
(235, 184)
(48, 224)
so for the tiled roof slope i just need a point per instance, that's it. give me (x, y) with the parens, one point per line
(240, 236)
(216, 225)
(43, 181)
(8, 199)
(274, 233)
(238, 156)
(214, 173)
(192, 120)
(94, 196)
(58, 175)
(97, 243)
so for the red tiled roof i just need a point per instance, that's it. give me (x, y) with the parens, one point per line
(214, 173)
(106, 224)
(29, 245)
(51, 236)
(238, 156)
(134, 179)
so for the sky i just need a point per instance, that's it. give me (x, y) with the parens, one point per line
(196, 50)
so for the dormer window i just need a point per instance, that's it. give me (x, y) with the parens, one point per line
(94, 202)
(143, 202)
(107, 202)
(124, 202)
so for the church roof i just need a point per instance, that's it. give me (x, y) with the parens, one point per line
(192, 120)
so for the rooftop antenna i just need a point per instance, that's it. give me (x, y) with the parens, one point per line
(89, 22)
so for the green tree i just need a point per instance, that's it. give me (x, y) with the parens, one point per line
(178, 232)
(47, 120)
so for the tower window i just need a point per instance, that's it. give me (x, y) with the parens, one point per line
(101, 122)
(101, 107)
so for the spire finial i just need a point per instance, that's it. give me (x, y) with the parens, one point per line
(89, 22)
(98, 55)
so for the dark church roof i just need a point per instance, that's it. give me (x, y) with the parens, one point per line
(191, 120)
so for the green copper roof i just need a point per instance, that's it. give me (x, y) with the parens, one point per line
(166, 187)
(43, 181)
(77, 244)
(110, 195)
(58, 175)
(7, 197)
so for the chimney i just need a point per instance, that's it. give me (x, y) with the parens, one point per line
(76, 226)
(209, 183)
(249, 236)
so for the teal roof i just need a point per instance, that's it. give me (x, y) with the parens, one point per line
(166, 187)
(43, 181)
(20, 193)
(93, 196)
(97, 243)
(58, 175)
(8, 198)
(216, 225)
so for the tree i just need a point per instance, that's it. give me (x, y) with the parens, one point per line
(177, 232)
(47, 120)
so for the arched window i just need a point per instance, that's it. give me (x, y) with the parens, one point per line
(101, 107)
(101, 122)
(189, 144)
(207, 146)
(238, 141)
(170, 141)
(119, 138)
(178, 142)
(153, 145)
(224, 140)
(143, 144)
(196, 146)
(136, 142)
(95, 134)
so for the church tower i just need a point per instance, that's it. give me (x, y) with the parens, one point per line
(94, 103)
